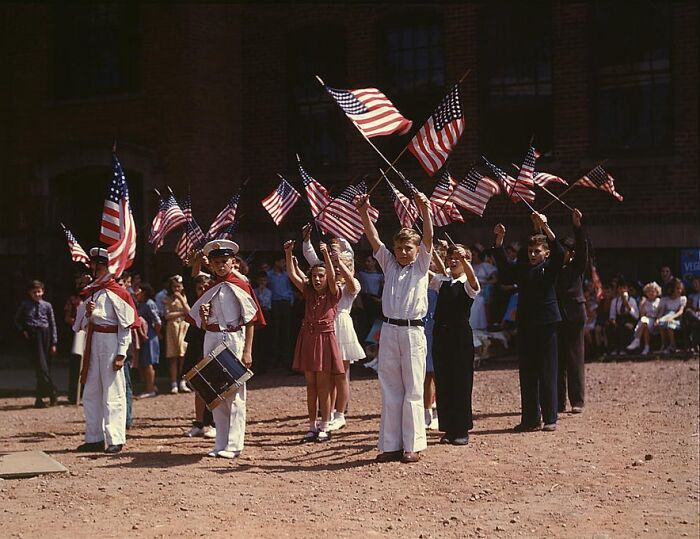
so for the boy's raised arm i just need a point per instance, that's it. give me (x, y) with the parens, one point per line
(362, 205)
(424, 208)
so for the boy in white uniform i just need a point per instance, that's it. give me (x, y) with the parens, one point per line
(107, 314)
(402, 346)
(228, 311)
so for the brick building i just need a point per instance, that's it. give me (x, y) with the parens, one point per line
(203, 96)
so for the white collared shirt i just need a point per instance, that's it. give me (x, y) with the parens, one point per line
(405, 294)
(439, 278)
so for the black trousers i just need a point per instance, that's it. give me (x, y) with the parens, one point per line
(572, 368)
(280, 332)
(537, 366)
(38, 344)
(453, 359)
(622, 332)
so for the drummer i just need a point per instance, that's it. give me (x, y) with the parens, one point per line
(228, 312)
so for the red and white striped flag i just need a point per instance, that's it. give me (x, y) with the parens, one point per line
(371, 111)
(281, 201)
(77, 253)
(226, 217)
(436, 139)
(341, 218)
(474, 191)
(443, 209)
(118, 229)
(406, 209)
(318, 196)
(168, 218)
(542, 179)
(511, 187)
(598, 178)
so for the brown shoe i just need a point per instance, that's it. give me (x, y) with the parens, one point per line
(390, 456)
(409, 457)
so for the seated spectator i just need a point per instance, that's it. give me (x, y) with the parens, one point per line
(624, 314)
(666, 279)
(670, 314)
(648, 314)
(602, 318)
(692, 315)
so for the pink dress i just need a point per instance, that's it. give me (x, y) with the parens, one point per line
(317, 347)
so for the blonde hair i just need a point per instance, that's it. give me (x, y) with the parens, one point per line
(407, 234)
(652, 286)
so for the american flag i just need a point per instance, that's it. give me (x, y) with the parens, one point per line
(77, 253)
(280, 201)
(406, 209)
(226, 217)
(341, 218)
(444, 211)
(436, 139)
(510, 185)
(192, 238)
(371, 111)
(168, 218)
(525, 183)
(598, 178)
(118, 229)
(543, 179)
(317, 194)
(474, 191)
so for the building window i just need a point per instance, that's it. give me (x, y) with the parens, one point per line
(96, 50)
(317, 126)
(515, 74)
(632, 57)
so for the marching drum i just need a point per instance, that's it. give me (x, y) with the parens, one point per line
(218, 376)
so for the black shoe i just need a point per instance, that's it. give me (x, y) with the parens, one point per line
(446, 439)
(53, 400)
(527, 428)
(39, 403)
(91, 447)
(461, 440)
(111, 449)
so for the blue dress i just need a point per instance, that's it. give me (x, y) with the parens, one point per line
(150, 349)
(429, 324)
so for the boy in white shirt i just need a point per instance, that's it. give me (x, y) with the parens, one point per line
(402, 346)
(624, 314)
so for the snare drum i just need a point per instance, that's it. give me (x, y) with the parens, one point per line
(218, 376)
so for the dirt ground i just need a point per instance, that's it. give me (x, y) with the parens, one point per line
(627, 467)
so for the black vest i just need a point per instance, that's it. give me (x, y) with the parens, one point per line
(453, 305)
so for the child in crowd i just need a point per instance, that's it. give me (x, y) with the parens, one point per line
(402, 347)
(176, 309)
(624, 314)
(261, 346)
(149, 351)
(670, 315)
(35, 319)
(603, 317)
(648, 313)
(538, 315)
(70, 310)
(692, 314)
(316, 352)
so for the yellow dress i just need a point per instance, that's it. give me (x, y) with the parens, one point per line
(175, 327)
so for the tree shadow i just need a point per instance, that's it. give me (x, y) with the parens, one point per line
(33, 437)
(488, 432)
(253, 467)
(495, 414)
(152, 459)
(15, 407)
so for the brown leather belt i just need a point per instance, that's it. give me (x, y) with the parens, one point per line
(215, 328)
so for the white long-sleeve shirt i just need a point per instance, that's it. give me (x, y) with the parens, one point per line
(108, 311)
(310, 253)
(617, 306)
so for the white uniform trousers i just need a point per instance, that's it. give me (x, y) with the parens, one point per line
(229, 416)
(104, 396)
(402, 352)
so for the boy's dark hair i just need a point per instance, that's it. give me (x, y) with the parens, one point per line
(260, 275)
(36, 284)
(538, 240)
(242, 265)
(147, 290)
(569, 243)
(453, 249)
(199, 279)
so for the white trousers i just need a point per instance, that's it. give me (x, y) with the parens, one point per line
(229, 416)
(401, 370)
(104, 396)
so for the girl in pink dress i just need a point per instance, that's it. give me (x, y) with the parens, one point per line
(316, 352)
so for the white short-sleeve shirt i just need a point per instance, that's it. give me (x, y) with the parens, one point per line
(437, 281)
(405, 294)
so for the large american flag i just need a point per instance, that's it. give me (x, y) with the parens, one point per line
(118, 229)
(444, 211)
(511, 187)
(406, 209)
(341, 218)
(598, 178)
(77, 253)
(436, 139)
(317, 194)
(281, 201)
(474, 191)
(168, 218)
(226, 217)
(371, 111)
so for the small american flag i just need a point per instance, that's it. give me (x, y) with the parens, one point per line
(226, 217)
(525, 183)
(192, 238)
(543, 179)
(341, 218)
(77, 253)
(474, 191)
(436, 139)
(444, 211)
(598, 178)
(168, 218)
(371, 111)
(281, 201)
(510, 185)
(118, 229)
(317, 194)
(406, 209)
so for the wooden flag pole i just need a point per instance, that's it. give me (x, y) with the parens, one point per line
(383, 176)
(573, 185)
(555, 197)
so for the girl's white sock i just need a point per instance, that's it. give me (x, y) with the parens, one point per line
(323, 426)
(313, 426)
